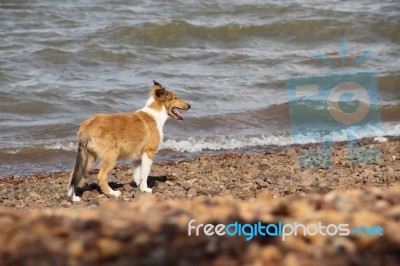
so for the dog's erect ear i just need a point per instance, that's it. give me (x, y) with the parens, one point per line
(156, 83)
(160, 92)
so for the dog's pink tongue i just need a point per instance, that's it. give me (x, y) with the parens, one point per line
(180, 117)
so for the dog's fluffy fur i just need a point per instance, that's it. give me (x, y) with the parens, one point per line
(130, 136)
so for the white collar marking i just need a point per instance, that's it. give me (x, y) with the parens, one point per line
(159, 116)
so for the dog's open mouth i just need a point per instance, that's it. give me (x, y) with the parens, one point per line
(178, 116)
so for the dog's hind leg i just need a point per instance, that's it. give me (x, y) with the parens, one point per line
(105, 166)
(91, 158)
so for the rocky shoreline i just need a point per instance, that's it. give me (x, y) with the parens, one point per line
(40, 225)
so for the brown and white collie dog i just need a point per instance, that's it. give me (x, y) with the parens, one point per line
(132, 136)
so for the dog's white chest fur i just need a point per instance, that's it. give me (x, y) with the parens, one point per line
(159, 116)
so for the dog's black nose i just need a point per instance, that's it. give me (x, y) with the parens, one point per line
(189, 106)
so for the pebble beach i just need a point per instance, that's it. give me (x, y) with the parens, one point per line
(40, 225)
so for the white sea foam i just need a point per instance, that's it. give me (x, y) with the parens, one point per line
(198, 144)
(68, 146)
(25, 149)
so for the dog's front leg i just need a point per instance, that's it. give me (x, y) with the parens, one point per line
(137, 168)
(144, 173)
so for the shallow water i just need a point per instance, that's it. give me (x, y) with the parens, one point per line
(62, 62)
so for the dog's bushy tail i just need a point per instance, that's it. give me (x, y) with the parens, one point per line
(80, 168)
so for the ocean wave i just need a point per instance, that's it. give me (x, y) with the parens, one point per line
(56, 56)
(198, 144)
(68, 146)
(216, 143)
(36, 149)
(176, 32)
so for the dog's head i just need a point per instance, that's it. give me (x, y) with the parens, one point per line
(170, 101)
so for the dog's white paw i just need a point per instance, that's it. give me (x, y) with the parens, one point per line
(137, 181)
(115, 193)
(146, 189)
(75, 198)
